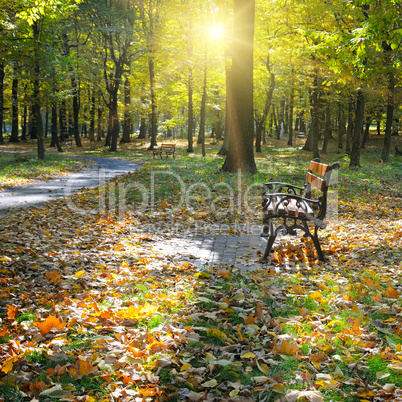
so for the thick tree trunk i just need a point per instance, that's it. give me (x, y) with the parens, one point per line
(241, 151)
(143, 129)
(115, 125)
(356, 141)
(14, 110)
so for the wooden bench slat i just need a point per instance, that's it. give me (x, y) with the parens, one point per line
(316, 181)
(319, 168)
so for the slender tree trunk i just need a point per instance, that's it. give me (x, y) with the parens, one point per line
(327, 130)
(24, 124)
(76, 111)
(2, 75)
(341, 125)
(36, 107)
(349, 132)
(99, 131)
(366, 132)
(127, 122)
(154, 117)
(190, 112)
(92, 118)
(229, 113)
(14, 107)
(53, 128)
(291, 107)
(390, 116)
(63, 120)
(115, 127)
(356, 141)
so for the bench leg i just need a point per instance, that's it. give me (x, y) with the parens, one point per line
(318, 246)
(271, 240)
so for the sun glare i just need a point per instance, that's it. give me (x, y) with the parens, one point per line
(216, 31)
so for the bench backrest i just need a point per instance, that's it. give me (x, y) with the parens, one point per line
(318, 177)
(168, 145)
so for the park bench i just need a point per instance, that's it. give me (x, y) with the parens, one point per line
(68, 141)
(292, 207)
(167, 149)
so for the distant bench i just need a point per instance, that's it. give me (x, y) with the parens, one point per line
(297, 207)
(165, 149)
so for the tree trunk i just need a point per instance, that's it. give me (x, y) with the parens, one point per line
(92, 118)
(366, 132)
(291, 107)
(190, 111)
(127, 122)
(143, 129)
(327, 130)
(24, 124)
(241, 151)
(99, 131)
(356, 141)
(341, 125)
(115, 125)
(2, 75)
(53, 128)
(36, 106)
(390, 116)
(229, 113)
(154, 117)
(201, 136)
(63, 120)
(350, 125)
(14, 107)
(76, 111)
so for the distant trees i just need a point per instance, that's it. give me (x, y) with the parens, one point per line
(100, 67)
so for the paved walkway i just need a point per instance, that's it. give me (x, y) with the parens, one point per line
(202, 248)
(39, 193)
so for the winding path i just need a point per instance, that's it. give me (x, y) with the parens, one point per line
(39, 193)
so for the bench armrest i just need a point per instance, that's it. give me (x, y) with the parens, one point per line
(281, 204)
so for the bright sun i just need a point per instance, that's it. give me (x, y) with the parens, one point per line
(216, 31)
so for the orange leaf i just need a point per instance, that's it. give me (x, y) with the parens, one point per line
(249, 320)
(286, 348)
(149, 391)
(11, 312)
(49, 323)
(3, 332)
(223, 272)
(377, 297)
(391, 293)
(54, 276)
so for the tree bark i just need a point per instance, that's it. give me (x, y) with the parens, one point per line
(14, 107)
(36, 106)
(127, 121)
(2, 75)
(356, 141)
(154, 117)
(241, 151)
(390, 115)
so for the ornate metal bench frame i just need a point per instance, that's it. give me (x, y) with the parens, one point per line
(295, 208)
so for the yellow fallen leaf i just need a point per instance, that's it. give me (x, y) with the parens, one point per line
(248, 355)
(216, 333)
(280, 388)
(185, 367)
(210, 384)
(8, 364)
(79, 274)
